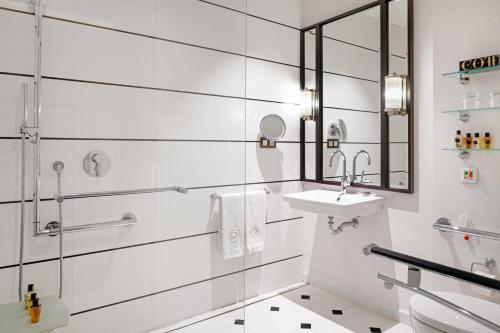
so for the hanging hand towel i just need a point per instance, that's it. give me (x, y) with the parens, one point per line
(256, 216)
(232, 208)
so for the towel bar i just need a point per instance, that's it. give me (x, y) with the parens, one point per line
(215, 196)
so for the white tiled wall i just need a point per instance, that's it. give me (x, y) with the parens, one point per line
(165, 89)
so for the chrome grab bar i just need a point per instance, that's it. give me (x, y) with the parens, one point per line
(443, 224)
(52, 228)
(414, 278)
(430, 266)
(390, 282)
(120, 192)
(215, 196)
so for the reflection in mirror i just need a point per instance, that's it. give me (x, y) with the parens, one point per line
(351, 97)
(398, 125)
(310, 84)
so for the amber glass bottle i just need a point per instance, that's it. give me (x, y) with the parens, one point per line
(487, 141)
(36, 309)
(476, 142)
(468, 141)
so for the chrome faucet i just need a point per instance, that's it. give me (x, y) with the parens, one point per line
(364, 152)
(344, 182)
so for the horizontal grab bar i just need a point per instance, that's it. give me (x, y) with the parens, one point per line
(52, 228)
(216, 196)
(390, 282)
(433, 267)
(62, 197)
(443, 224)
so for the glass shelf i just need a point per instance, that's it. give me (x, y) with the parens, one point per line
(472, 149)
(473, 110)
(472, 71)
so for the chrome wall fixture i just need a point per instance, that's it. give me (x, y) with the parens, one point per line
(53, 227)
(415, 265)
(443, 224)
(215, 196)
(335, 231)
(96, 163)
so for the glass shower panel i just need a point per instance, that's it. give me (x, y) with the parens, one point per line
(159, 88)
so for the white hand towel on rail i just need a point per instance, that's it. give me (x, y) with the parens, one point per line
(232, 208)
(256, 216)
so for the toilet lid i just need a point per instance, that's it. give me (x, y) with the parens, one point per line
(445, 319)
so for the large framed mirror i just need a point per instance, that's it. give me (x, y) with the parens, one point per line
(347, 60)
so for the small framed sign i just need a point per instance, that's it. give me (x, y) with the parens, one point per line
(477, 63)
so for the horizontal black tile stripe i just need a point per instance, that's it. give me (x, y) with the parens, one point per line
(83, 254)
(16, 74)
(286, 220)
(162, 89)
(151, 140)
(351, 77)
(251, 15)
(398, 171)
(142, 140)
(184, 286)
(137, 34)
(16, 10)
(236, 309)
(348, 109)
(110, 249)
(189, 188)
(398, 56)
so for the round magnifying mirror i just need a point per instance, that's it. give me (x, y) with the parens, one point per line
(272, 127)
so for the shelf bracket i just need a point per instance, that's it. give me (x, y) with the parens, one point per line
(463, 78)
(464, 116)
(463, 154)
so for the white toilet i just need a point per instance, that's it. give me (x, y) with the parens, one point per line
(428, 316)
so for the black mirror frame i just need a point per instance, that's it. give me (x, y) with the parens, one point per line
(384, 118)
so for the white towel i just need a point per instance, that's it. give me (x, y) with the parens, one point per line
(232, 207)
(256, 215)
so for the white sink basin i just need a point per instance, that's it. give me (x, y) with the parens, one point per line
(325, 202)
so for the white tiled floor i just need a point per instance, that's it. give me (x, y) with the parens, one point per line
(295, 310)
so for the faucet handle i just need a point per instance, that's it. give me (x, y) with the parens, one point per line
(349, 179)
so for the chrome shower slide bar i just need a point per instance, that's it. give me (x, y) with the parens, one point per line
(443, 224)
(216, 196)
(179, 189)
(433, 267)
(52, 228)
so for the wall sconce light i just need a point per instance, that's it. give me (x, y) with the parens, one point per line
(308, 104)
(396, 96)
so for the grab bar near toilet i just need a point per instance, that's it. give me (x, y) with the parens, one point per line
(415, 265)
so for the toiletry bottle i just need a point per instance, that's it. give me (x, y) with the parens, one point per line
(476, 142)
(487, 141)
(27, 295)
(459, 140)
(35, 311)
(33, 296)
(468, 141)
